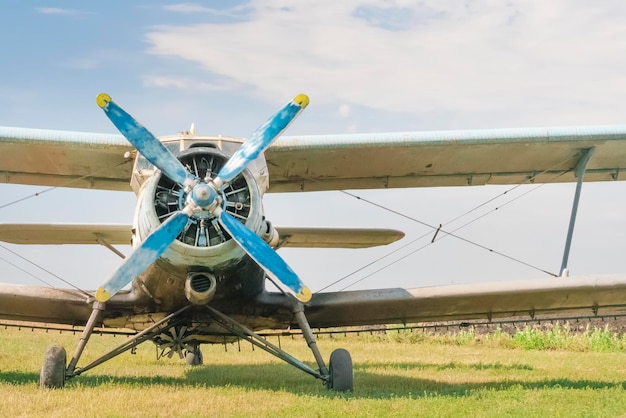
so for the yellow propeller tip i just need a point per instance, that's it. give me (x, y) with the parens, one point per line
(304, 295)
(302, 100)
(102, 295)
(103, 99)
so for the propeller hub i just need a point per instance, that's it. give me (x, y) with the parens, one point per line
(203, 195)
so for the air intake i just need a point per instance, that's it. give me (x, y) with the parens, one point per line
(200, 288)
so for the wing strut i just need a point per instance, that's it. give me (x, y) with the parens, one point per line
(108, 245)
(581, 167)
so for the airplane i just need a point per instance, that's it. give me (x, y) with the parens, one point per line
(202, 247)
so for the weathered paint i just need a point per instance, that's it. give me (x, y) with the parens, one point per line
(262, 138)
(146, 143)
(144, 255)
(338, 162)
(275, 267)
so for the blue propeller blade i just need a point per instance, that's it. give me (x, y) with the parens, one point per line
(261, 139)
(144, 255)
(146, 143)
(277, 270)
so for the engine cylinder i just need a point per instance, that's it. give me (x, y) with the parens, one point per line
(203, 242)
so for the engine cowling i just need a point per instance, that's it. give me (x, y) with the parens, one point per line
(203, 242)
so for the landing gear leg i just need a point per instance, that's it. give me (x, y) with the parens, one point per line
(54, 372)
(98, 307)
(310, 338)
(246, 334)
(55, 355)
(340, 376)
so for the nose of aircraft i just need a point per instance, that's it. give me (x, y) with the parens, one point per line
(202, 196)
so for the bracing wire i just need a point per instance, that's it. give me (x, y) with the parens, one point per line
(43, 269)
(450, 233)
(36, 194)
(66, 184)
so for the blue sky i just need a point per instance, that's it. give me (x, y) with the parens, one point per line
(368, 66)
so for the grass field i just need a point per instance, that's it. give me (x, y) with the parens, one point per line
(551, 374)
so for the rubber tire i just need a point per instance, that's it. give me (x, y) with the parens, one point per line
(194, 358)
(52, 374)
(341, 372)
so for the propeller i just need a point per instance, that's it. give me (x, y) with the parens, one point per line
(203, 195)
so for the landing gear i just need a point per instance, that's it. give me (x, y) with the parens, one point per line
(341, 373)
(173, 335)
(52, 374)
(339, 378)
(194, 357)
(54, 371)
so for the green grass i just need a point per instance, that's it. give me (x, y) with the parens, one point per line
(401, 373)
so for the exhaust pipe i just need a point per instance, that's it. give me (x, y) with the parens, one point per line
(200, 287)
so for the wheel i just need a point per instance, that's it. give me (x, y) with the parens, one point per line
(52, 374)
(341, 374)
(194, 357)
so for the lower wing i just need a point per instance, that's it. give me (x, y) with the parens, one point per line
(582, 296)
(302, 237)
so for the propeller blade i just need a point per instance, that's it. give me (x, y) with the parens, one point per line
(144, 255)
(146, 143)
(277, 270)
(261, 139)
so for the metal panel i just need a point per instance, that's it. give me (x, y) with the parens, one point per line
(336, 237)
(65, 234)
(300, 237)
(337, 162)
(65, 159)
(577, 295)
(574, 295)
(444, 158)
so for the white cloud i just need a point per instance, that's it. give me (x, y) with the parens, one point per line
(161, 81)
(554, 58)
(344, 110)
(60, 11)
(188, 8)
(185, 83)
(194, 8)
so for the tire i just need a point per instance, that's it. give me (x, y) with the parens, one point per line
(194, 358)
(341, 372)
(52, 374)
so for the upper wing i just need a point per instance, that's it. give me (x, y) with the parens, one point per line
(65, 159)
(337, 162)
(444, 158)
(577, 295)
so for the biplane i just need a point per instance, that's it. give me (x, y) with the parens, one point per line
(203, 248)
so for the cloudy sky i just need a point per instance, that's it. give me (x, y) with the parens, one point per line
(368, 66)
